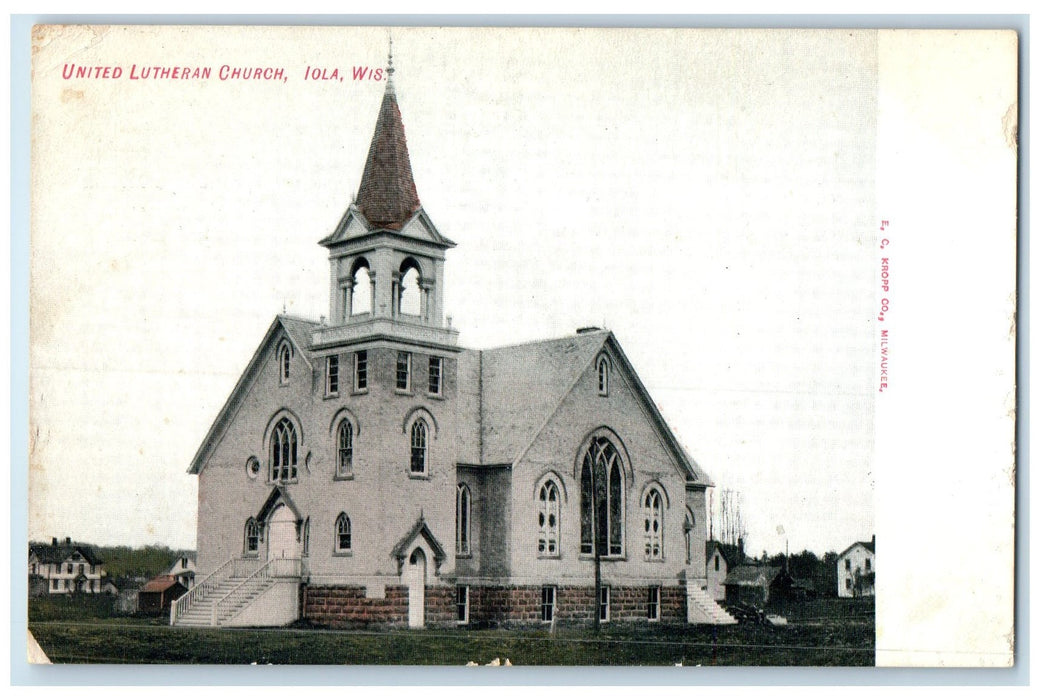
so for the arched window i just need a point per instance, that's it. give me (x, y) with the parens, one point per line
(361, 294)
(419, 432)
(409, 293)
(343, 533)
(462, 514)
(548, 520)
(688, 534)
(345, 449)
(252, 537)
(653, 524)
(602, 482)
(283, 451)
(603, 372)
(284, 355)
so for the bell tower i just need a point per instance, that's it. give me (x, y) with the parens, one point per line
(386, 256)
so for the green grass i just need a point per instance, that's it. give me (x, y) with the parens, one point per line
(845, 640)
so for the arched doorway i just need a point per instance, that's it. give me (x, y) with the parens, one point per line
(415, 579)
(281, 535)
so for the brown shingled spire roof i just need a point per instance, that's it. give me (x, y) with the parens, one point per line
(387, 196)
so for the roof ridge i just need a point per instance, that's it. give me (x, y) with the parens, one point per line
(603, 331)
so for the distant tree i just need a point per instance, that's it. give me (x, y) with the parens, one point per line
(827, 576)
(727, 520)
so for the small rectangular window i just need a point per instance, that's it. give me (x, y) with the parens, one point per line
(548, 603)
(848, 565)
(361, 370)
(604, 604)
(404, 370)
(868, 565)
(332, 375)
(435, 376)
(462, 603)
(653, 603)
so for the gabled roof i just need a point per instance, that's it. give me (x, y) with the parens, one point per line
(161, 583)
(58, 553)
(298, 330)
(869, 546)
(751, 575)
(279, 494)
(730, 552)
(544, 373)
(420, 529)
(387, 196)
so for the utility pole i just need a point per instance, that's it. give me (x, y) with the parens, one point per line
(595, 550)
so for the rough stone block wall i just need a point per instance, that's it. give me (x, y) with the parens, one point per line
(347, 606)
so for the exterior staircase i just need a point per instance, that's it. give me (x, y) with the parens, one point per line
(227, 592)
(701, 609)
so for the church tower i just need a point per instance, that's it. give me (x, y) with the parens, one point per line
(386, 256)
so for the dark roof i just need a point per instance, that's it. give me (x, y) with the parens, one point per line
(751, 575)
(387, 196)
(730, 552)
(160, 583)
(58, 553)
(869, 546)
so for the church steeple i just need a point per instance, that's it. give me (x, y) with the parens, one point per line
(387, 257)
(387, 196)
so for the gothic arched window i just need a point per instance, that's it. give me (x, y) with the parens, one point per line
(419, 432)
(603, 374)
(283, 451)
(345, 449)
(602, 499)
(462, 519)
(343, 543)
(284, 355)
(653, 524)
(548, 520)
(252, 537)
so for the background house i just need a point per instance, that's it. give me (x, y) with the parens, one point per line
(757, 585)
(719, 559)
(856, 566)
(183, 569)
(65, 567)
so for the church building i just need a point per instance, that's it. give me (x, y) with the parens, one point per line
(368, 470)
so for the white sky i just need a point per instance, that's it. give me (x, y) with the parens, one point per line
(708, 196)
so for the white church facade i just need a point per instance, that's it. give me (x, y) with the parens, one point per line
(368, 470)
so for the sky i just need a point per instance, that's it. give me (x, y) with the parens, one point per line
(708, 196)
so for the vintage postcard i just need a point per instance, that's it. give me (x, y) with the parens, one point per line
(556, 346)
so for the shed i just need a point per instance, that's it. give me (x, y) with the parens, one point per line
(757, 585)
(158, 594)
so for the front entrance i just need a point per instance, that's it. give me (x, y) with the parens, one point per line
(415, 578)
(281, 535)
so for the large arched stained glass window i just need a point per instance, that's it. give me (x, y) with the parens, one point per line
(602, 499)
(283, 451)
(653, 523)
(548, 520)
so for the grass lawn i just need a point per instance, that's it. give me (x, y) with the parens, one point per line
(829, 635)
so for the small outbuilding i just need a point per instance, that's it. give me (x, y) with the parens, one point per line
(757, 585)
(158, 594)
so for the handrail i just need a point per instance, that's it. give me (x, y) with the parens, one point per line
(181, 605)
(263, 573)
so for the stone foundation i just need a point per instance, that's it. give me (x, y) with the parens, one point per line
(347, 606)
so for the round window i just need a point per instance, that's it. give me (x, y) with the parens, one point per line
(252, 467)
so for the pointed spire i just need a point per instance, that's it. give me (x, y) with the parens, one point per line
(387, 196)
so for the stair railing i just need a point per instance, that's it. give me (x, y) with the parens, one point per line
(206, 584)
(261, 575)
